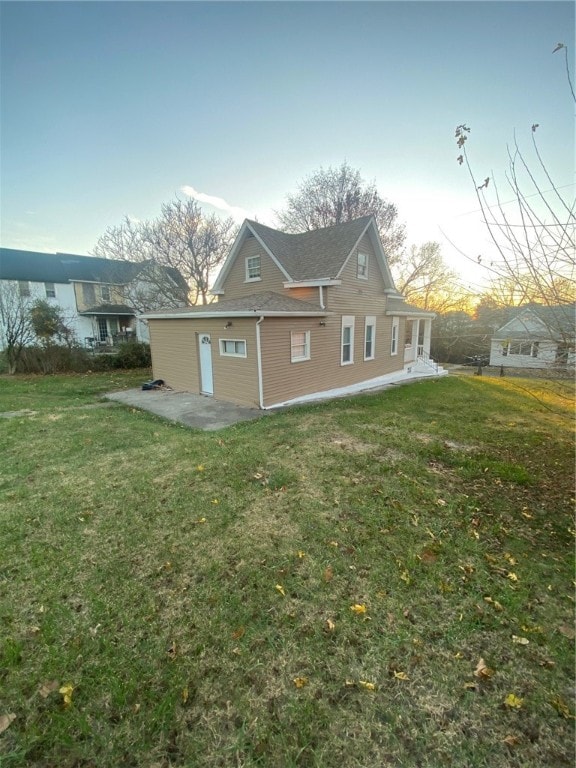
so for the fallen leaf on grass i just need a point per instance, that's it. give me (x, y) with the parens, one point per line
(237, 634)
(512, 576)
(300, 682)
(561, 707)
(6, 721)
(47, 688)
(328, 574)
(358, 608)
(520, 640)
(301, 554)
(511, 740)
(200, 468)
(185, 694)
(368, 686)
(482, 671)
(280, 588)
(513, 701)
(401, 675)
(200, 521)
(495, 603)
(66, 691)
(330, 625)
(440, 502)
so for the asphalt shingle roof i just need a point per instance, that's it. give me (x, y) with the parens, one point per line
(35, 266)
(316, 255)
(257, 303)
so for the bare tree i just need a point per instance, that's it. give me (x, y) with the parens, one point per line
(16, 330)
(533, 241)
(335, 195)
(426, 281)
(177, 254)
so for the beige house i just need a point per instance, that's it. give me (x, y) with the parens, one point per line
(298, 317)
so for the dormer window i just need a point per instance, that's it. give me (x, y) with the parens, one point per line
(362, 270)
(253, 268)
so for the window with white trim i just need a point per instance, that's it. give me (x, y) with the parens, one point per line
(524, 348)
(395, 332)
(233, 347)
(347, 344)
(299, 346)
(105, 293)
(362, 268)
(50, 289)
(369, 337)
(253, 270)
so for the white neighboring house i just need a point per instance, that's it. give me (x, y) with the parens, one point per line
(91, 291)
(536, 337)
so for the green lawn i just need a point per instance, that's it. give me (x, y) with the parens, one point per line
(385, 580)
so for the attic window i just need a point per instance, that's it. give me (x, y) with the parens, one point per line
(253, 268)
(362, 271)
(105, 292)
(50, 289)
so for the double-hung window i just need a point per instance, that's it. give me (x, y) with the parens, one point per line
(23, 288)
(395, 332)
(299, 346)
(347, 345)
(50, 289)
(105, 293)
(253, 268)
(369, 338)
(233, 347)
(362, 268)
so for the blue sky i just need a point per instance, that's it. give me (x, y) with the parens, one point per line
(111, 108)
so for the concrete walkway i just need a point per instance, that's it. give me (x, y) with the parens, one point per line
(185, 408)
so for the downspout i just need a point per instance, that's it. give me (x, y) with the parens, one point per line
(259, 362)
(321, 292)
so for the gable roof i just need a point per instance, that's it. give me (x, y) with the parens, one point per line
(320, 254)
(254, 305)
(541, 322)
(36, 266)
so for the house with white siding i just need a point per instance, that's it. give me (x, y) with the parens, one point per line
(536, 337)
(298, 317)
(91, 291)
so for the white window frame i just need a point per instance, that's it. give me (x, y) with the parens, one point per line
(370, 322)
(103, 289)
(222, 343)
(299, 358)
(362, 261)
(50, 290)
(395, 335)
(348, 321)
(253, 278)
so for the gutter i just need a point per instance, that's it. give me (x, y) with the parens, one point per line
(259, 363)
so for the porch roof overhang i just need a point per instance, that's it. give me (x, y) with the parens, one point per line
(109, 309)
(311, 283)
(416, 313)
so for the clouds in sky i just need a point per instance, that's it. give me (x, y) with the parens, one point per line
(238, 214)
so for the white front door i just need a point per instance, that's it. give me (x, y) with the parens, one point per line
(205, 355)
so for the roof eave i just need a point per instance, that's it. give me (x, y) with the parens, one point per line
(312, 283)
(234, 313)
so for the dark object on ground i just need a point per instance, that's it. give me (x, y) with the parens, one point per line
(480, 360)
(153, 384)
(501, 370)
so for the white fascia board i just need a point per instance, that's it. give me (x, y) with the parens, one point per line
(237, 313)
(406, 313)
(231, 258)
(311, 283)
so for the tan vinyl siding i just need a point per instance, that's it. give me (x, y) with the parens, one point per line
(272, 278)
(310, 294)
(357, 296)
(174, 347)
(284, 380)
